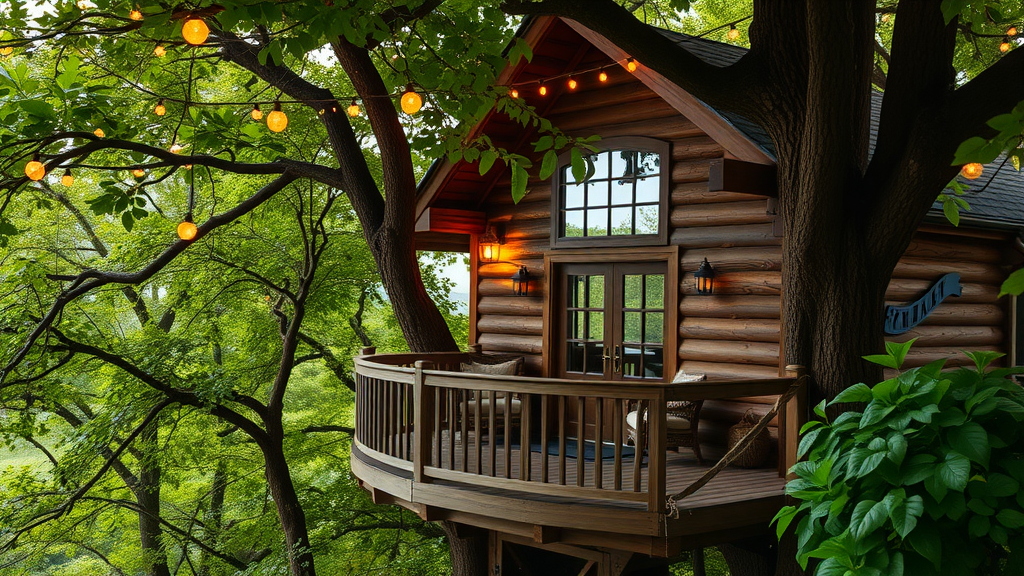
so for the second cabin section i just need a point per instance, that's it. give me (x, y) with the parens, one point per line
(626, 327)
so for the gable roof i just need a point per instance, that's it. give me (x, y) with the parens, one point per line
(996, 199)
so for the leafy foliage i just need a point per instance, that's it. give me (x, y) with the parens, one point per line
(925, 480)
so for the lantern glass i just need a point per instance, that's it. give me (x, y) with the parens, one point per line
(521, 282)
(490, 246)
(704, 278)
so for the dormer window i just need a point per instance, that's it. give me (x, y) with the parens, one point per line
(624, 202)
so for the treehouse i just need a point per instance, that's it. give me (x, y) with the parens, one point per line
(625, 328)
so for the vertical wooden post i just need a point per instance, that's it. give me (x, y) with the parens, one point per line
(422, 425)
(698, 562)
(795, 416)
(475, 348)
(657, 440)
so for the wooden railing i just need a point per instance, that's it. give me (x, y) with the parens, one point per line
(553, 437)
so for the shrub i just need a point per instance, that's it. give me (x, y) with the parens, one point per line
(925, 481)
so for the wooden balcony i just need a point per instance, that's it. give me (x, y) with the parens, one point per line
(426, 440)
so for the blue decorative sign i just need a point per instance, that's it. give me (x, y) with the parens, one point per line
(899, 319)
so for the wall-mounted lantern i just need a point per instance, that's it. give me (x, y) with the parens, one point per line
(490, 245)
(704, 278)
(521, 282)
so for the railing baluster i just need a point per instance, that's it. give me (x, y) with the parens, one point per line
(640, 438)
(508, 433)
(451, 428)
(581, 432)
(463, 428)
(524, 439)
(544, 438)
(598, 443)
(436, 428)
(656, 466)
(562, 417)
(478, 396)
(617, 439)
(401, 424)
(492, 430)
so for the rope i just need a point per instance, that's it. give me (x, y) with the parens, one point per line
(734, 452)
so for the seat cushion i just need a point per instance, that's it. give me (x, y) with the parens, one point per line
(673, 422)
(499, 407)
(508, 368)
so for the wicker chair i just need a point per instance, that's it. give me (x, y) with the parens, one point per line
(682, 421)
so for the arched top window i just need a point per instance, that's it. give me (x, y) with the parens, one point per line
(623, 203)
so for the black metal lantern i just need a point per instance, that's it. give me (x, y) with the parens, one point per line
(704, 278)
(490, 246)
(521, 282)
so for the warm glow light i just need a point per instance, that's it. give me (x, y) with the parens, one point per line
(631, 65)
(187, 230)
(195, 31)
(603, 76)
(135, 15)
(513, 93)
(159, 51)
(543, 90)
(160, 109)
(972, 171)
(175, 148)
(411, 101)
(67, 179)
(733, 34)
(6, 51)
(1011, 31)
(138, 173)
(1005, 46)
(187, 166)
(573, 84)
(256, 113)
(82, 5)
(277, 120)
(353, 109)
(886, 17)
(35, 170)
(488, 252)
(99, 132)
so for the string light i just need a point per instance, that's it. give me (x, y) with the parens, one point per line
(353, 109)
(573, 84)
(159, 51)
(277, 120)
(886, 17)
(543, 90)
(99, 132)
(175, 148)
(972, 171)
(513, 93)
(82, 5)
(733, 34)
(1011, 31)
(411, 101)
(1005, 46)
(67, 179)
(135, 15)
(631, 65)
(35, 169)
(6, 50)
(139, 173)
(160, 109)
(256, 113)
(195, 31)
(603, 76)
(187, 229)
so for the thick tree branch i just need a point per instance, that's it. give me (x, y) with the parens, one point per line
(995, 91)
(330, 360)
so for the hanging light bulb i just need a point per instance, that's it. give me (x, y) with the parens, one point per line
(67, 179)
(99, 132)
(277, 120)
(1005, 45)
(35, 169)
(135, 15)
(187, 166)
(513, 93)
(631, 65)
(187, 229)
(572, 84)
(82, 5)
(175, 148)
(160, 109)
(411, 101)
(321, 112)
(603, 76)
(139, 173)
(1011, 31)
(6, 50)
(972, 171)
(353, 109)
(256, 113)
(543, 90)
(195, 31)
(733, 34)
(159, 51)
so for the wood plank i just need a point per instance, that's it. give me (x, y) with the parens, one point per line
(928, 269)
(730, 175)
(726, 236)
(744, 329)
(510, 324)
(762, 353)
(745, 259)
(507, 305)
(905, 290)
(728, 369)
(721, 214)
(512, 343)
(964, 337)
(452, 221)
(730, 306)
(735, 283)
(698, 193)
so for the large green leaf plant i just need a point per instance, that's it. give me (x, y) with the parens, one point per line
(925, 480)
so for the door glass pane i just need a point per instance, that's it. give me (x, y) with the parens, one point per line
(596, 292)
(633, 291)
(655, 291)
(574, 357)
(631, 327)
(577, 325)
(654, 327)
(595, 362)
(576, 291)
(654, 362)
(596, 330)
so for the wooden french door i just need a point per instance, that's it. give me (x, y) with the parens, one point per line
(614, 321)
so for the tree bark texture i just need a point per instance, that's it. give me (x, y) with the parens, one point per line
(147, 494)
(468, 555)
(289, 510)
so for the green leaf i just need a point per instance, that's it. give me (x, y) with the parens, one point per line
(520, 178)
(904, 514)
(867, 517)
(971, 440)
(783, 518)
(954, 471)
(579, 165)
(952, 211)
(926, 541)
(487, 158)
(898, 350)
(1010, 518)
(856, 393)
(968, 150)
(548, 165)
(882, 359)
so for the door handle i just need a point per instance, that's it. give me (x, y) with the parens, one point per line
(617, 360)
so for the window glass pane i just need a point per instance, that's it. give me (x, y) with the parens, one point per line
(655, 291)
(574, 357)
(631, 361)
(597, 222)
(577, 328)
(654, 362)
(623, 163)
(631, 324)
(573, 223)
(622, 220)
(648, 163)
(596, 326)
(647, 219)
(596, 292)
(597, 194)
(574, 195)
(622, 192)
(600, 164)
(567, 175)
(648, 189)
(654, 329)
(633, 292)
(595, 361)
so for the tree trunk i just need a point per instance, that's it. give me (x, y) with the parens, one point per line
(468, 555)
(147, 494)
(215, 520)
(289, 511)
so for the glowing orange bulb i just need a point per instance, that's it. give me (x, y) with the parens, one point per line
(256, 113)
(543, 90)
(411, 101)
(513, 93)
(195, 31)
(135, 15)
(353, 109)
(972, 171)
(603, 76)
(187, 166)
(160, 109)
(733, 34)
(631, 65)
(99, 132)
(138, 172)
(6, 51)
(82, 5)
(1011, 31)
(488, 254)
(573, 84)
(175, 148)
(1005, 46)
(187, 230)
(67, 179)
(159, 51)
(35, 170)
(277, 120)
